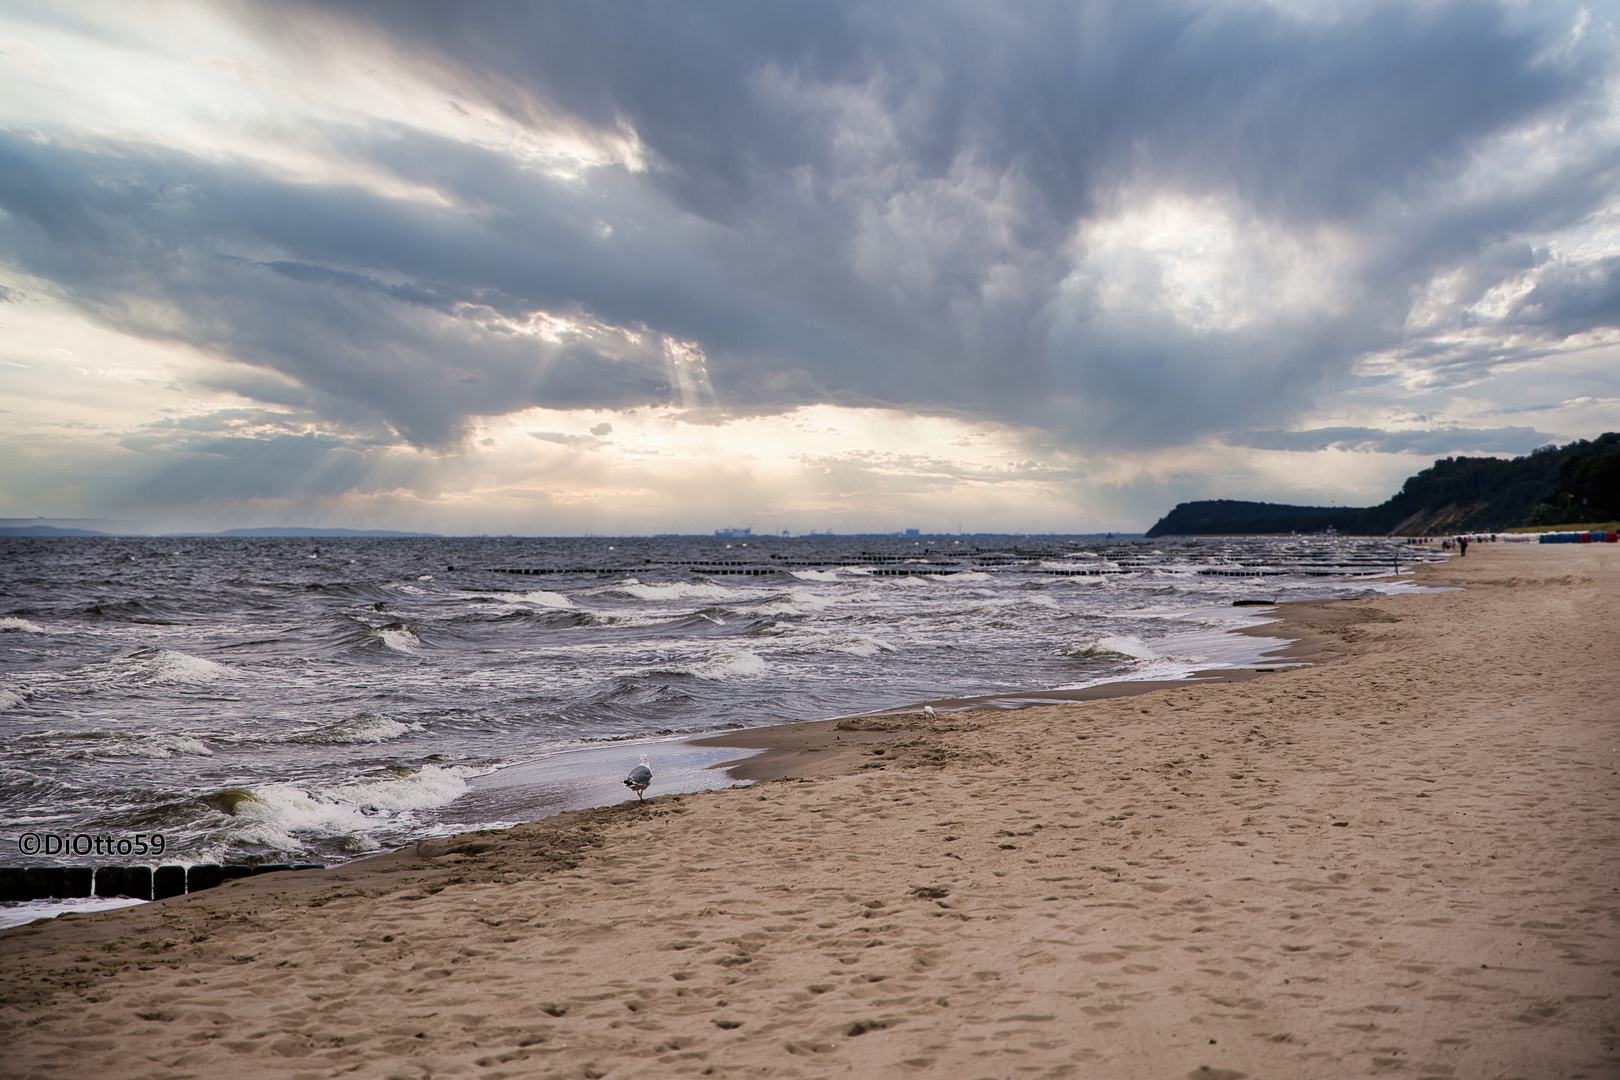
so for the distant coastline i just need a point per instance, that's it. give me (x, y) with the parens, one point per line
(290, 531)
(1578, 482)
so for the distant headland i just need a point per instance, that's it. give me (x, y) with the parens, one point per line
(1556, 485)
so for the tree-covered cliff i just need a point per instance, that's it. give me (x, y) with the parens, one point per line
(1555, 485)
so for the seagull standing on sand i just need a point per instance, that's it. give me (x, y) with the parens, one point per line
(639, 777)
(929, 709)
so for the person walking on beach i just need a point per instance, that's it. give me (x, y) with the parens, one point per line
(1462, 544)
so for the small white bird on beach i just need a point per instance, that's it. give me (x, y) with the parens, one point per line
(640, 777)
(929, 709)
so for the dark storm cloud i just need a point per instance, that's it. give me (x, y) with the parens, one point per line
(1574, 299)
(1319, 115)
(1308, 123)
(844, 202)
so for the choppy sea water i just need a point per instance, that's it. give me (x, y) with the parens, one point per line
(283, 700)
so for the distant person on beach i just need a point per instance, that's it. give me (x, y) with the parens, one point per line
(1462, 544)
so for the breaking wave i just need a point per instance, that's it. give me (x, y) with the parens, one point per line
(357, 729)
(119, 744)
(276, 814)
(541, 598)
(718, 667)
(674, 590)
(161, 666)
(397, 637)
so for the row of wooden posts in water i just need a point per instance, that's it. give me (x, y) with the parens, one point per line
(135, 882)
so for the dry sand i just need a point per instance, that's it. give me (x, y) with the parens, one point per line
(1402, 862)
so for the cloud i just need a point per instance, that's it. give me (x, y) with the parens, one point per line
(573, 442)
(1130, 228)
(962, 198)
(151, 243)
(1573, 297)
(1438, 442)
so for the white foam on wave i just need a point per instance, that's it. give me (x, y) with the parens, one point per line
(917, 578)
(169, 666)
(1155, 670)
(273, 814)
(102, 744)
(815, 575)
(1129, 645)
(146, 668)
(357, 729)
(162, 746)
(422, 789)
(10, 699)
(820, 639)
(541, 598)
(628, 622)
(674, 590)
(399, 640)
(1194, 645)
(728, 665)
(720, 666)
(15, 624)
(1215, 646)
(860, 645)
(792, 602)
(1040, 600)
(1402, 588)
(1095, 650)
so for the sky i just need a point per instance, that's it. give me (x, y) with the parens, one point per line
(639, 267)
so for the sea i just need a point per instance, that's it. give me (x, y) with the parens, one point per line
(315, 700)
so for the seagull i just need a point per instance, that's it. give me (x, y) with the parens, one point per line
(639, 777)
(929, 709)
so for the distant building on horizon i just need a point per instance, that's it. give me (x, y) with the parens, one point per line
(734, 534)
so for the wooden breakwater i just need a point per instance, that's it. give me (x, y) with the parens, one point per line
(135, 882)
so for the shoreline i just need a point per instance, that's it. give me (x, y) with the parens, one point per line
(570, 779)
(811, 749)
(584, 774)
(796, 748)
(1399, 862)
(566, 780)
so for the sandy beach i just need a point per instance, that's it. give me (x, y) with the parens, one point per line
(1401, 860)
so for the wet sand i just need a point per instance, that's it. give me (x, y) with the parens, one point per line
(1399, 862)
